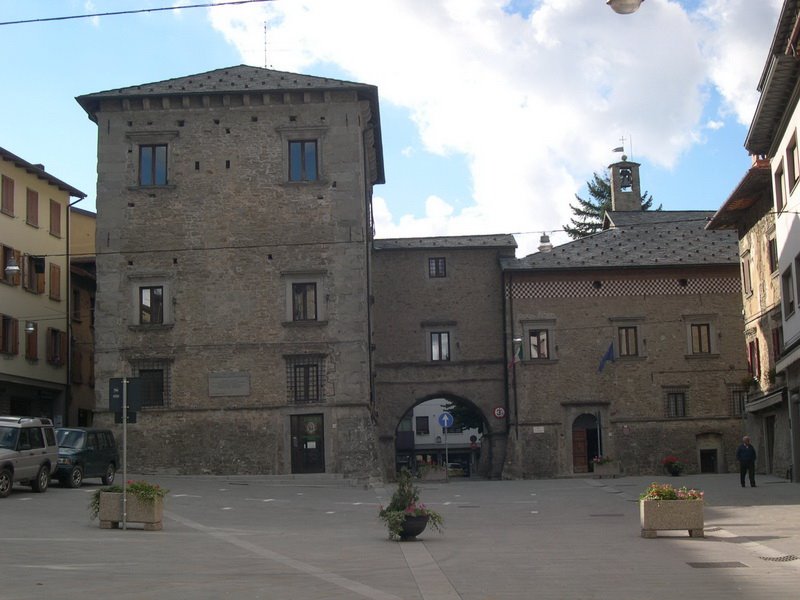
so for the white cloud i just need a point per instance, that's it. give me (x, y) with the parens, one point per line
(739, 34)
(535, 104)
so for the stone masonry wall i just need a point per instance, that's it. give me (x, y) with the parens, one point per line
(226, 238)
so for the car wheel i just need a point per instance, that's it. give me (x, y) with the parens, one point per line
(42, 479)
(108, 478)
(75, 477)
(6, 481)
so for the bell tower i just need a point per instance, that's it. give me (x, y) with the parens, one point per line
(626, 193)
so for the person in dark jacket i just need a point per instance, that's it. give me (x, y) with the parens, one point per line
(746, 455)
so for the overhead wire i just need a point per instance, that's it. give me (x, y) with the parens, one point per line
(132, 12)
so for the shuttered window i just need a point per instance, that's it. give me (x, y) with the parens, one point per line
(55, 218)
(55, 282)
(32, 208)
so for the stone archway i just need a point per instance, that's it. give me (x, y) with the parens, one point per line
(420, 440)
(585, 442)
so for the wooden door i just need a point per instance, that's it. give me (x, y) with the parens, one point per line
(579, 451)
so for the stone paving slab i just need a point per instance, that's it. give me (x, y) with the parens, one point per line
(255, 538)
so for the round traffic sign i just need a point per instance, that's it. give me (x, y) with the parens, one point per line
(446, 419)
(499, 412)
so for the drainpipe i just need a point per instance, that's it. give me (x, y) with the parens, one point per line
(68, 294)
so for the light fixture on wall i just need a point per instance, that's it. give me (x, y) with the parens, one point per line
(624, 7)
(12, 268)
(30, 326)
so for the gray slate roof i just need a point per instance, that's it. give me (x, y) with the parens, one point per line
(641, 239)
(241, 78)
(447, 242)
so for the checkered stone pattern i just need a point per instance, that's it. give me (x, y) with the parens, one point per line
(628, 287)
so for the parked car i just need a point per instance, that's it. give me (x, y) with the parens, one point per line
(28, 453)
(85, 452)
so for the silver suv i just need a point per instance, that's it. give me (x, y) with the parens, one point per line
(28, 453)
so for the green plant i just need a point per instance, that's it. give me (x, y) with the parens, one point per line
(147, 492)
(601, 460)
(664, 491)
(673, 464)
(405, 503)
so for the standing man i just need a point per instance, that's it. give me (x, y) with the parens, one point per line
(746, 455)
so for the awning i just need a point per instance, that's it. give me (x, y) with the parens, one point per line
(766, 401)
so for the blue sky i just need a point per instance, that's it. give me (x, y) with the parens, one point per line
(494, 114)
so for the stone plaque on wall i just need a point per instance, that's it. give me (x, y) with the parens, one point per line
(228, 384)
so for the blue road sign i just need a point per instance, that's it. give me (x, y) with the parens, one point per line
(446, 419)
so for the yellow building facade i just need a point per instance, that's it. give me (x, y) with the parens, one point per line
(34, 289)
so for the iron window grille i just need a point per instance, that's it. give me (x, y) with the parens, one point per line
(437, 267)
(156, 381)
(304, 376)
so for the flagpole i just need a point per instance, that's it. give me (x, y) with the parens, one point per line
(599, 436)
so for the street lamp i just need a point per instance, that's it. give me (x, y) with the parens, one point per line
(624, 7)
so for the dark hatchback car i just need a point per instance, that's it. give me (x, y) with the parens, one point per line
(85, 452)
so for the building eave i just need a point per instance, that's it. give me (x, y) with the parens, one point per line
(753, 187)
(39, 172)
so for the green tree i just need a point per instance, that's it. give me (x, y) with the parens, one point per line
(589, 213)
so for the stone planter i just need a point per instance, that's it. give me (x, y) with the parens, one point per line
(609, 469)
(139, 511)
(661, 515)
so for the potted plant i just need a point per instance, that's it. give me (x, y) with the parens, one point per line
(406, 517)
(144, 504)
(663, 507)
(673, 465)
(605, 466)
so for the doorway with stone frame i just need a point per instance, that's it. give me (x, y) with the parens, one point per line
(585, 442)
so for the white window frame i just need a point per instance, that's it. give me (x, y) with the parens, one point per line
(635, 323)
(713, 342)
(303, 134)
(137, 282)
(548, 325)
(318, 278)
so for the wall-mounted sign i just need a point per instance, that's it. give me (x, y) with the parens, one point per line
(499, 412)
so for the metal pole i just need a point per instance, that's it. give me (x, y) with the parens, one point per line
(124, 453)
(599, 436)
(446, 458)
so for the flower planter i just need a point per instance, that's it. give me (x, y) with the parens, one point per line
(661, 515)
(139, 511)
(413, 526)
(609, 469)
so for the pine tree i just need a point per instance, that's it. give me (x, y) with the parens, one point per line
(589, 213)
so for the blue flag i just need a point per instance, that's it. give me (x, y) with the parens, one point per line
(608, 356)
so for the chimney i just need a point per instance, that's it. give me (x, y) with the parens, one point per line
(626, 193)
(544, 243)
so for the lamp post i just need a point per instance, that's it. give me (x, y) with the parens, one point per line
(624, 7)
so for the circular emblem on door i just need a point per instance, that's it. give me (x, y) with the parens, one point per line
(311, 427)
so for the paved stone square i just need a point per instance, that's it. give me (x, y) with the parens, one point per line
(317, 538)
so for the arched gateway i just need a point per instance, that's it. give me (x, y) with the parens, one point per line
(473, 445)
(442, 433)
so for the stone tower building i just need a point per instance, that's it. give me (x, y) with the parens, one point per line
(233, 235)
